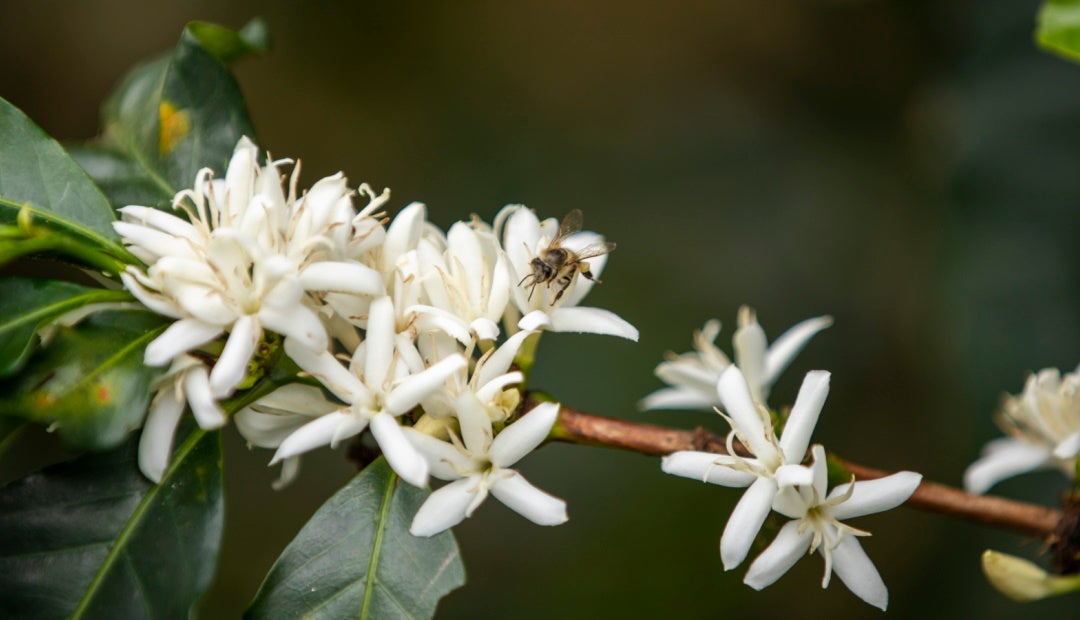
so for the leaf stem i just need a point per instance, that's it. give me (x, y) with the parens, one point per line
(63, 244)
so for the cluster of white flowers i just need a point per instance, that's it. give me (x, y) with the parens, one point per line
(770, 465)
(410, 332)
(1043, 424)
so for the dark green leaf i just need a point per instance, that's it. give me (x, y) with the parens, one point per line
(228, 45)
(89, 382)
(1059, 28)
(356, 558)
(92, 538)
(122, 180)
(26, 305)
(35, 171)
(174, 116)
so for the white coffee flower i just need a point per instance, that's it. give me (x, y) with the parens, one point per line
(468, 283)
(187, 382)
(775, 462)
(1044, 424)
(489, 385)
(693, 376)
(478, 464)
(524, 238)
(378, 386)
(817, 526)
(242, 262)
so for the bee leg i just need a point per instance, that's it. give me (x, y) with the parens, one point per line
(564, 283)
(585, 271)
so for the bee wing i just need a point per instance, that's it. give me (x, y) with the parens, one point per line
(571, 223)
(594, 250)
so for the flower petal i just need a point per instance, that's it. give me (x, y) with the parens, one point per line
(788, 345)
(474, 422)
(502, 358)
(534, 321)
(290, 468)
(327, 369)
(750, 346)
(430, 318)
(180, 337)
(804, 415)
(444, 460)
(205, 409)
(403, 234)
(854, 568)
(402, 456)
(155, 443)
(1069, 447)
(786, 549)
(871, 496)
(529, 501)
(444, 508)
(485, 329)
(794, 476)
(678, 398)
(524, 435)
(342, 277)
(492, 388)
(735, 395)
(745, 522)
(379, 342)
(592, 321)
(231, 367)
(412, 390)
(1004, 458)
(703, 466)
(297, 322)
(266, 430)
(319, 432)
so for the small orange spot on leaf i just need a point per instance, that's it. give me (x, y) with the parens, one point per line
(175, 125)
(103, 394)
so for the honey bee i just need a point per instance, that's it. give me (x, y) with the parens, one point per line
(558, 265)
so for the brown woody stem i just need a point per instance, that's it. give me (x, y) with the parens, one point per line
(586, 429)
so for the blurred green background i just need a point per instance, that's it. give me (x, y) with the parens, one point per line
(909, 167)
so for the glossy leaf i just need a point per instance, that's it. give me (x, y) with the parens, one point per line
(356, 558)
(228, 45)
(92, 538)
(26, 305)
(1059, 28)
(123, 181)
(171, 117)
(89, 382)
(36, 171)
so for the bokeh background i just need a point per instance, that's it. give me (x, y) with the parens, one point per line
(909, 167)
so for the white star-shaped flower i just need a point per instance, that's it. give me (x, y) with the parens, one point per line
(376, 388)
(467, 283)
(775, 462)
(242, 262)
(817, 526)
(478, 465)
(693, 376)
(524, 237)
(1044, 424)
